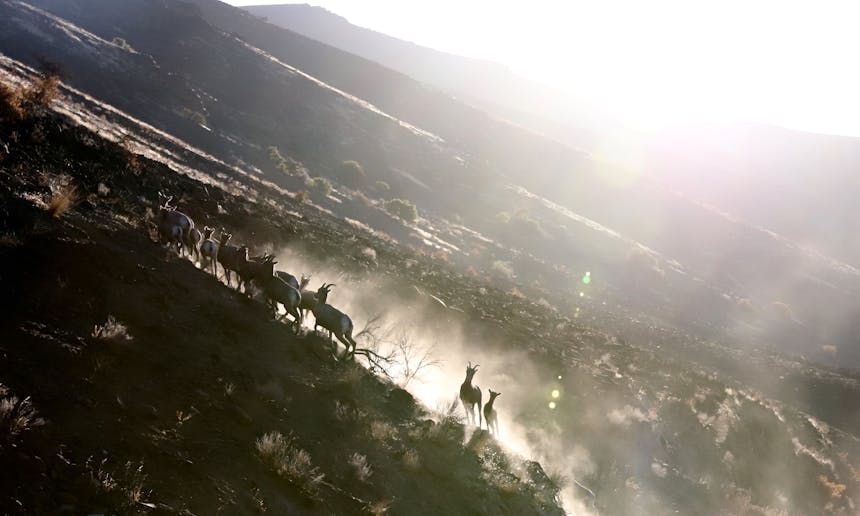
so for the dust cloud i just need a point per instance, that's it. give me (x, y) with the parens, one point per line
(447, 340)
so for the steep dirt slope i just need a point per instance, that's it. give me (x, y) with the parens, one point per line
(150, 386)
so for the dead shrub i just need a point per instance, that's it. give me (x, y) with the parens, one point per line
(35, 100)
(289, 461)
(379, 507)
(360, 467)
(10, 103)
(62, 199)
(17, 415)
(411, 460)
(383, 431)
(127, 484)
(111, 330)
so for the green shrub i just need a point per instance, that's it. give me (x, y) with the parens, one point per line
(122, 43)
(287, 165)
(402, 208)
(351, 174)
(320, 185)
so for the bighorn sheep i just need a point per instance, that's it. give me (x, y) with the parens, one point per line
(258, 268)
(332, 319)
(491, 417)
(470, 395)
(309, 297)
(193, 244)
(279, 291)
(209, 251)
(174, 236)
(229, 256)
(289, 278)
(168, 217)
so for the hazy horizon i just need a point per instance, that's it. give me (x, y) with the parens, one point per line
(656, 66)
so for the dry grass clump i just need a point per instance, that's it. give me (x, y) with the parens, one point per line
(449, 412)
(289, 461)
(411, 460)
(382, 431)
(61, 200)
(360, 467)
(10, 103)
(37, 99)
(28, 102)
(111, 330)
(17, 415)
(128, 484)
(380, 507)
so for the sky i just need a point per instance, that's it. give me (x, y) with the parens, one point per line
(654, 64)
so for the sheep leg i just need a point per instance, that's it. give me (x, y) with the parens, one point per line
(342, 340)
(348, 336)
(468, 409)
(295, 313)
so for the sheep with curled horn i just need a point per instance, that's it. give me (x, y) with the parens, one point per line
(470, 395)
(209, 251)
(277, 291)
(169, 217)
(309, 297)
(230, 257)
(258, 269)
(336, 322)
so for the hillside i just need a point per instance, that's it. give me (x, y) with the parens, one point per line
(654, 354)
(476, 181)
(770, 177)
(132, 403)
(485, 84)
(148, 385)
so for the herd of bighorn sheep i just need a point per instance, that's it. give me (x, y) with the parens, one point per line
(279, 287)
(177, 229)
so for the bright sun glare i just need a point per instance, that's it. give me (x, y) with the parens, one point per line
(659, 63)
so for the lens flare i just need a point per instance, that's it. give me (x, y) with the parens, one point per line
(555, 393)
(552, 405)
